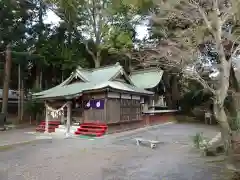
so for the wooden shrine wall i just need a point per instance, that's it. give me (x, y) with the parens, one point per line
(130, 110)
(113, 110)
(123, 109)
(93, 114)
(118, 108)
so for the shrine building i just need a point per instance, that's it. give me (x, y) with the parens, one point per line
(105, 95)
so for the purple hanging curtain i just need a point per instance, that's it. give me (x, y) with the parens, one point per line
(98, 104)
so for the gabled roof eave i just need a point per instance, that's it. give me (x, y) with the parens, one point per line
(122, 72)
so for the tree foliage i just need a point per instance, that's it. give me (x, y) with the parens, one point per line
(90, 33)
(109, 26)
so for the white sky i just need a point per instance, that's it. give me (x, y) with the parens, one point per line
(54, 19)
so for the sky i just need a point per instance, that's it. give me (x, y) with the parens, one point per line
(52, 18)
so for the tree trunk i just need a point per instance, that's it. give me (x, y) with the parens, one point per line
(233, 82)
(232, 108)
(175, 92)
(38, 87)
(37, 78)
(222, 119)
(227, 137)
(97, 61)
(22, 100)
(233, 102)
(7, 75)
(168, 95)
(234, 111)
(40, 79)
(96, 64)
(219, 101)
(19, 93)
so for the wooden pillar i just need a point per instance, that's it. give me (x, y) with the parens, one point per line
(69, 110)
(105, 110)
(46, 119)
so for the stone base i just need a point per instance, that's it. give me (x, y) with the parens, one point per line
(62, 129)
(214, 151)
(215, 146)
(158, 118)
(147, 120)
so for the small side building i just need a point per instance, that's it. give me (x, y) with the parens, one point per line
(155, 107)
(13, 103)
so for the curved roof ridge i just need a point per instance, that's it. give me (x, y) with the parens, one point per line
(102, 67)
(150, 69)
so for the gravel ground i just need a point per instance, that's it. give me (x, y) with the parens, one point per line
(114, 157)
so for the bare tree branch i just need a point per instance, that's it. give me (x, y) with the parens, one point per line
(203, 14)
(196, 77)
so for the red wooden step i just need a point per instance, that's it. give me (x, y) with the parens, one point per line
(93, 126)
(91, 129)
(101, 124)
(51, 126)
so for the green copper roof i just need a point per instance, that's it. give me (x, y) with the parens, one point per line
(76, 89)
(101, 74)
(54, 88)
(67, 91)
(147, 78)
(93, 79)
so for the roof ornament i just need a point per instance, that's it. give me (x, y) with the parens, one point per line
(76, 76)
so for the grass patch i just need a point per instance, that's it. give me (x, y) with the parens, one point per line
(5, 148)
(199, 141)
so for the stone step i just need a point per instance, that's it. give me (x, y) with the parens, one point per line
(62, 129)
(72, 133)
